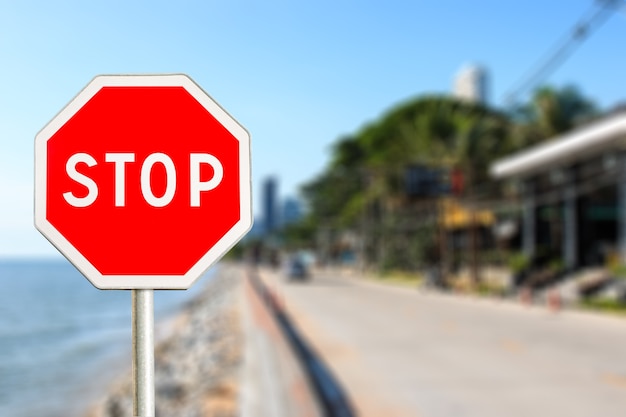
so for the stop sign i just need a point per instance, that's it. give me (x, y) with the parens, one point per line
(143, 182)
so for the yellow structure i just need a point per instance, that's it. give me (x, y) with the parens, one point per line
(455, 216)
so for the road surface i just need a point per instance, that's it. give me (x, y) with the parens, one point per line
(403, 352)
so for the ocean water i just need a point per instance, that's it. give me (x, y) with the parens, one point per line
(61, 339)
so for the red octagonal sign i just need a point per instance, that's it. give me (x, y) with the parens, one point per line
(143, 182)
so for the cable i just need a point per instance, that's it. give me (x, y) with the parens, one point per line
(591, 22)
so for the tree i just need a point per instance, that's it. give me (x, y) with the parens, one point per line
(440, 132)
(365, 179)
(552, 111)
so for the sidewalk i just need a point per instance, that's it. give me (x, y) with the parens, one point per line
(273, 381)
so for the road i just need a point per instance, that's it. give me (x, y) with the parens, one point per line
(405, 352)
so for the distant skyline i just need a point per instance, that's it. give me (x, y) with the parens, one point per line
(297, 75)
(276, 211)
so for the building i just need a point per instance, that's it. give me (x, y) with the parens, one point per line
(574, 194)
(292, 211)
(471, 84)
(270, 205)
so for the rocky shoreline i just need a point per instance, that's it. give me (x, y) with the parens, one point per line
(197, 365)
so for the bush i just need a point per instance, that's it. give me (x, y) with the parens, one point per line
(518, 262)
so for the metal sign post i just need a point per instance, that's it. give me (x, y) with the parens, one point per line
(143, 353)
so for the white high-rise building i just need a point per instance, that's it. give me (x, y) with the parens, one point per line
(470, 84)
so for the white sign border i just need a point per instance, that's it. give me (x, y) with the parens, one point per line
(143, 281)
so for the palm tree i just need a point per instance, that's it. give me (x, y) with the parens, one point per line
(552, 111)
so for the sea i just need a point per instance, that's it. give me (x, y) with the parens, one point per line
(62, 341)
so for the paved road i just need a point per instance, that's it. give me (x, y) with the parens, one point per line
(401, 352)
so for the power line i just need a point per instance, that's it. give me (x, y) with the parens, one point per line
(590, 22)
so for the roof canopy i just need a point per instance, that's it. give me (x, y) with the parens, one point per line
(565, 149)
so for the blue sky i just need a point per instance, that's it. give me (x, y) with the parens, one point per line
(296, 74)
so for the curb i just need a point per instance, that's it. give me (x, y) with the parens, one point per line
(273, 381)
(328, 393)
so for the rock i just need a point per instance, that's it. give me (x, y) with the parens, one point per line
(196, 367)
